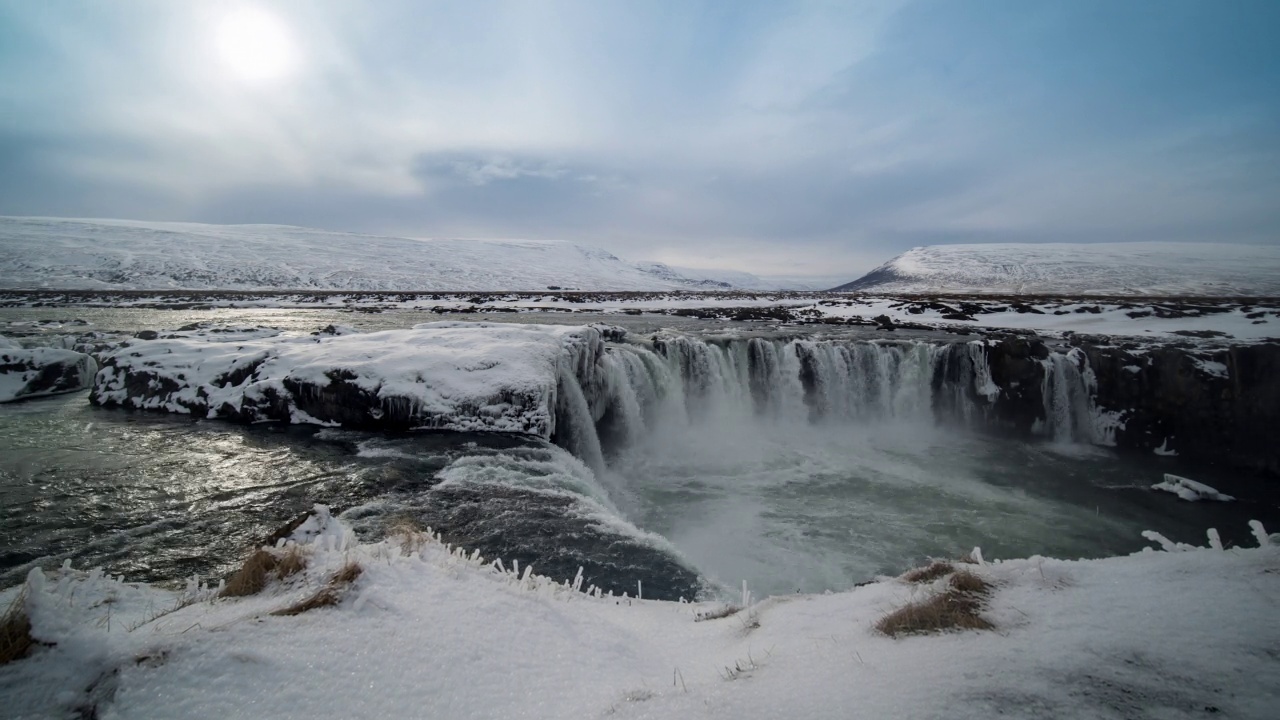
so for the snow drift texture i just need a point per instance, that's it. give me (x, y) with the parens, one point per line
(131, 255)
(432, 631)
(1080, 269)
(446, 376)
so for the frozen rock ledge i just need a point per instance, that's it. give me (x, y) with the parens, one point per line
(1190, 490)
(34, 372)
(495, 377)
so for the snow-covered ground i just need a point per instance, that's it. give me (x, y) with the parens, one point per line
(127, 254)
(430, 631)
(1212, 321)
(1218, 320)
(1152, 269)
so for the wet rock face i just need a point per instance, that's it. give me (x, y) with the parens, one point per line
(34, 372)
(1219, 407)
(1214, 406)
(1017, 368)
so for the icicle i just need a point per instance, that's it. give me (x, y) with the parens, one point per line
(1165, 543)
(1259, 533)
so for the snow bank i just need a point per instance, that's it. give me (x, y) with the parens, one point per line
(447, 376)
(28, 373)
(429, 630)
(1189, 489)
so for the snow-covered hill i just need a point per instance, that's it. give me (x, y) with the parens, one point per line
(124, 254)
(1080, 269)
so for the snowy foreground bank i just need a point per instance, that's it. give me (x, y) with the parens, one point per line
(410, 628)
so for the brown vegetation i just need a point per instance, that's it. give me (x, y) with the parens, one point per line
(15, 631)
(407, 534)
(260, 567)
(716, 613)
(929, 573)
(329, 595)
(956, 608)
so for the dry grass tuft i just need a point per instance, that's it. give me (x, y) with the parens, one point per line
(408, 534)
(716, 613)
(260, 567)
(969, 583)
(957, 608)
(291, 562)
(15, 631)
(929, 573)
(327, 596)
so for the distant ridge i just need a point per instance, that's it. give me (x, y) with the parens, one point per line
(89, 254)
(1176, 269)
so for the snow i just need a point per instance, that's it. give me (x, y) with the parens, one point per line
(1228, 320)
(1153, 269)
(126, 254)
(1190, 490)
(1212, 368)
(35, 372)
(428, 630)
(461, 376)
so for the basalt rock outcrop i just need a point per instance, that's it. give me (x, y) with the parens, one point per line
(466, 377)
(35, 372)
(593, 389)
(1218, 405)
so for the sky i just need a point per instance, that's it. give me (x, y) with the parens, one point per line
(771, 136)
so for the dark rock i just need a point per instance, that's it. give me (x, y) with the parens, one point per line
(1205, 417)
(35, 372)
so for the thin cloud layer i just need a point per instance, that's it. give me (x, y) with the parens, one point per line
(779, 138)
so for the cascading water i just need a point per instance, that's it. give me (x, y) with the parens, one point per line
(791, 461)
(1068, 389)
(689, 380)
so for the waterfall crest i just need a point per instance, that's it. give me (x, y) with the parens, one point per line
(615, 394)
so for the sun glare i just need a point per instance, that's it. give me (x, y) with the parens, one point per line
(256, 45)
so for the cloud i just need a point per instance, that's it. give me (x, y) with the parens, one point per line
(756, 135)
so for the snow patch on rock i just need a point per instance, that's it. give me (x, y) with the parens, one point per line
(1190, 490)
(448, 376)
(35, 372)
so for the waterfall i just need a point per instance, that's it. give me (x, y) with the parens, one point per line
(1068, 389)
(616, 394)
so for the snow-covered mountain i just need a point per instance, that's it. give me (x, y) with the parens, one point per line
(124, 254)
(1080, 269)
(714, 279)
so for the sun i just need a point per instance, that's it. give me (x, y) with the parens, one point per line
(256, 45)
